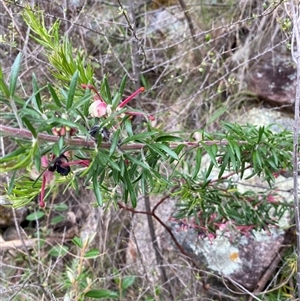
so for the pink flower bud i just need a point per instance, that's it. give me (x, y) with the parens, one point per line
(98, 108)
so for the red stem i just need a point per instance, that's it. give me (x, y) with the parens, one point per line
(26, 134)
(152, 213)
(126, 101)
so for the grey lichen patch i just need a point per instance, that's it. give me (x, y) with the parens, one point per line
(221, 256)
(243, 260)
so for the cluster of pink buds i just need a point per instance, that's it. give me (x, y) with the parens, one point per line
(62, 131)
(99, 108)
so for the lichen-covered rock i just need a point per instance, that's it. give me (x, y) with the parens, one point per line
(243, 260)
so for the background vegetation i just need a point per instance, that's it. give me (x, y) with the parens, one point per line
(192, 57)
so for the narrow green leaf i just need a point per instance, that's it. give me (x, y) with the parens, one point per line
(29, 126)
(4, 88)
(116, 175)
(128, 127)
(272, 164)
(37, 157)
(82, 102)
(230, 145)
(166, 149)
(269, 176)
(235, 164)
(122, 85)
(107, 91)
(14, 74)
(3, 85)
(198, 162)
(114, 142)
(224, 164)
(72, 89)
(237, 150)
(276, 160)
(136, 161)
(59, 147)
(130, 188)
(116, 100)
(102, 175)
(177, 150)
(138, 137)
(106, 159)
(156, 151)
(32, 112)
(54, 96)
(216, 115)
(230, 151)
(13, 155)
(89, 171)
(23, 162)
(257, 164)
(36, 97)
(208, 171)
(243, 168)
(56, 148)
(122, 165)
(11, 183)
(212, 152)
(60, 122)
(261, 131)
(145, 82)
(102, 294)
(251, 175)
(97, 191)
(168, 138)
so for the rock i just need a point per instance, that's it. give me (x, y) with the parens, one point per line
(7, 218)
(169, 23)
(273, 78)
(243, 261)
(263, 116)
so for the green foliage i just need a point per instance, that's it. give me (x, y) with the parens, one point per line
(209, 194)
(149, 161)
(77, 279)
(62, 58)
(200, 175)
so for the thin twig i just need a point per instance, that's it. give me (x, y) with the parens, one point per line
(132, 27)
(160, 221)
(188, 18)
(296, 35)
(157, 251)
